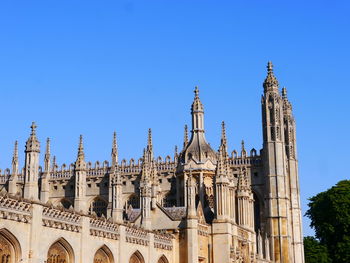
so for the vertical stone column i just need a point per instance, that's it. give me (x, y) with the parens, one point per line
(35, 230)
(191, 222)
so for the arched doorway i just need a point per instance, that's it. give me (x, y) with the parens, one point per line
(61, 252)
(136, 258)
(10, 250)
(103, 255)
(163, 259)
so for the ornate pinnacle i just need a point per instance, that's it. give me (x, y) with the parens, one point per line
(270, 82)
(284, 92)
(196, 92)
(32, 144)
(114, 149)
(223, 134)
(47, 152)
(242, 143)
(81, 147)
(185, 136)
(80, 163)
(47, 155)
(149, 141)
(33, 127)
(269, 67)
(15, 151)
(197, 104)
(15, 160)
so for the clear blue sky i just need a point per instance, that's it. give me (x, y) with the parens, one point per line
(92, 67)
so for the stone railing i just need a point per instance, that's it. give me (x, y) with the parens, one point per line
(16, 210)
(163, 241)
(59, 219)
(102, 228)
(62, 174)
(137, 236)
(203, 230)
(245, 161)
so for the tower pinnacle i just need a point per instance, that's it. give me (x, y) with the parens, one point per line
(80, 162)
(185, 136)
(271, 82)
(15, 159)
(114, 150)
(32, 144)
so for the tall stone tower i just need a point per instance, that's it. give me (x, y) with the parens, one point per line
(280, 169)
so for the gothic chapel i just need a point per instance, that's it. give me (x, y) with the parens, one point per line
(200, 205)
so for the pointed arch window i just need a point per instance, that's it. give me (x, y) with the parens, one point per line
(10, 250)
(61, 252)
(103, 255)
(99, 207)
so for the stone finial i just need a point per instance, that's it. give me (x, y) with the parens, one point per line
(196, 92)
(47, 156)
(271, 82)
(47, 151)
(15, 159)
(54, 163)
(33, 144)
(197, 105)
(15, 152)
(185, 136)
(223, 134)
(114, 150)
(284, 93)
(33, 127)
(149, 140)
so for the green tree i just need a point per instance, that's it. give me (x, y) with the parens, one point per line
(314, 251)
(329, 212)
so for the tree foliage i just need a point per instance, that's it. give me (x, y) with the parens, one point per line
(329, 212)
(314, 251)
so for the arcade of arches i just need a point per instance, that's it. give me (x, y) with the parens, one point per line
(59, 252)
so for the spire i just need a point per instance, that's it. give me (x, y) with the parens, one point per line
(15, 159)
(80, 162)
(271, 82)
(149, 150)
(32, 144)
(114, 150)
(47, 156)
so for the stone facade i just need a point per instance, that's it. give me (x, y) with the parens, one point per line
(201, 205)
